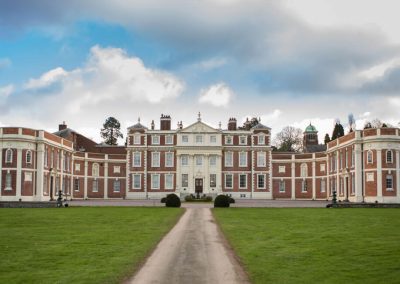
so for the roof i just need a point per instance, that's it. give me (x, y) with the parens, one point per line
(315, 148)
(138, 125)
(260, 126)
(311, 128)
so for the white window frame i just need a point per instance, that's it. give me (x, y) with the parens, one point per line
(213, 180)
(282, 169)
(264, 186)
(198, 160)
(153, 184)
(28, 155)
(136, 139)
(282, 186)
(303, 186)
(155, 163)
(95, 170)
(353, 157)
(8, 183)
(261, 159)
(242, 142)
(77, 167)
(169, 181)
(370, 177)
(389, 177)
(228, 161)
(245, 181)
(136, 181)
(322, 167)
(116, 181)
(169, 159)
(184, 160)
(169, 139)
(155, 139)
(28, 176)
(199, 139)
(9, 156)
(228, 140)
(185, 180)
(389, 152)
(46, 157)
(95, 185)
(185, 138)
(117, 169)
(370, 157)
(322, 187)
(240, 159)
(261, 139)
(213, 139)
(212, 159)
(231, 179)
(346, 161)
(304, 170)
(76, 184)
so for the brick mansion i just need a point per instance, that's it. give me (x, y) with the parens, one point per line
(363, 165)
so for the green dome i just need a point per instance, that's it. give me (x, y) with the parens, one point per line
(311, 128)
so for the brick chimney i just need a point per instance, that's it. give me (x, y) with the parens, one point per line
(232, 123)
(165, 122)
(62, 126)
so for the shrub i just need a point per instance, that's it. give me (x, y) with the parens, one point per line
(231, 200)
(209, 198)
(163, 200)
(188, 198)
(222, 201)
(173, 200)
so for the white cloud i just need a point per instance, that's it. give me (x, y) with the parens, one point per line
(47, 79)
(211, 63)
(218, 95)
(5, 92)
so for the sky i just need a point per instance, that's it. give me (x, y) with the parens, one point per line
(289, 62)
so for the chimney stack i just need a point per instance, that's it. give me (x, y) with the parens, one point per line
(152, 125)
(62, 126)
(232, 123)
(165, 122)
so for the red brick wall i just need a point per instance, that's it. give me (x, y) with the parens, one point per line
(386, 192)
(13, 164)
(374, 159)
(13, 183)
(31, 165)
(299, 193)
(27, 186)
(10, 130)
(388, 131)
(131, 189)
(394, 161)
(288, 189)
(111, 193)
(80, 193)
(370, 186)
(100, 193)
(30, 132)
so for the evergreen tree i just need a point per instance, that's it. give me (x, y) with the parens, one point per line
(338, 131)
(111, 131)
(327, 139)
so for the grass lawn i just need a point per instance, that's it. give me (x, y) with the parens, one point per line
(78, 244)
(304, 245)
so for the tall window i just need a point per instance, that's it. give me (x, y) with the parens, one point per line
(389, 182)
(242, 181)
(9, 156)
(137, 181)
(304, 170)
(260, 159)
(242, 159)
(261, 181)
(155, 159)
(228, 159)
(213, 160)
(76, 184)
(353, 157)
(8, 181)
(185, 160)
(136, 139)
(369, 157)
(323, 186)
(389, 156)
(169, 139)
(261, 139)
(29, 157)
(282, 186)
(169, 181)
(304, 186)
(213, 180)
(46, 157)
(353, 184)
(169, 159)
(52, 159)
(155, 139)
(199, 160)
(346, 162)
(228, 181)
(185, 180)
(95, 170)
(95, 185)
(117, 185)
(341, 159)
(155, 181)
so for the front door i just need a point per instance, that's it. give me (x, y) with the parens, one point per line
(198, 185)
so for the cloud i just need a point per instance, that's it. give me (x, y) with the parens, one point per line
(5, 92)
(218, 95)
(47, 79)
(212, 63)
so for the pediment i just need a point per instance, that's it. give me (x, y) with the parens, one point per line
(199, 127)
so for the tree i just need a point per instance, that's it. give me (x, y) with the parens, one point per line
(111, 131)
(352, 122)
(338, 130)
(290, 139)
(327, 139)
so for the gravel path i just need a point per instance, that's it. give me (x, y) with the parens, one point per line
(194, 251)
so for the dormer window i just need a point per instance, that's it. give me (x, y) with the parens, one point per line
(261, 140)
(136, 139)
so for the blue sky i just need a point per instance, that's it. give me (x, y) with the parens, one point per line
(288, 62)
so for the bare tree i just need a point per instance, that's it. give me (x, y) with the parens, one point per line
(352, 122)
(290, 139)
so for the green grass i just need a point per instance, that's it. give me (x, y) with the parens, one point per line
(78, 245)
(315, 245)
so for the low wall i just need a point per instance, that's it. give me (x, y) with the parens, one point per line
(18, 204)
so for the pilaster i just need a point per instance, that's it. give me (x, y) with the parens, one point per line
(293, 178)
(313, 178)
(19, 173)
(106, 177)
(85, 189)
(379, 175)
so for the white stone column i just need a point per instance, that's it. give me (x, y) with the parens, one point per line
(85, 189)
(314, 189)
(61, 171)
(379, 175)
(337, 188)
(206, 167)
(39, 171)
(358, 173)
(19, 173)
(293, 178)
(398, 175)
(1, 165)
(106, 177)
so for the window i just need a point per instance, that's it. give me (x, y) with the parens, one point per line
(169, 181)
(155, 181)
(155, 159)
(341, 160)
(213, 160)
(136, 139)
(242, 140)
(59, 159)
(117, 169)
(389, 182)
(76, 184)
(242, 159)
(117, 185)
(9, 156)
(137, 181)
(213, 139)
(95, 170)
(304, 186)
(353, 157)
(77, 167)
(282, 169)
(155, 140)
(28, 176)
(323, 186)
(346, 162)
(304, 170)
(28, 157)
(185, 139)
(46, 157)
(282, 186)
(261, 181)
(169, 139)
(95, 185)
(8, 181)
(213, 180)
(261, 140)
(389, 156)
(199, 139)
(260, 159)
(185, 160)
(369, 157)
(169, 159)
(242, 181)
(185, 180)
(228, 159)
(228, 140)
(199, 160)
(353, 184)
(52, 159)
(228, 181)
(322, 167)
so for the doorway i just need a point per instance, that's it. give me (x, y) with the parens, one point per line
(198, 185)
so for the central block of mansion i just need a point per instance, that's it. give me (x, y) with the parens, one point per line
(363, 165)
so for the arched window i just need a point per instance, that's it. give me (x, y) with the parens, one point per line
(29, 157)
(95, 170)
(370, 158)
(9, 156)
(389, 156)
(304, 170)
